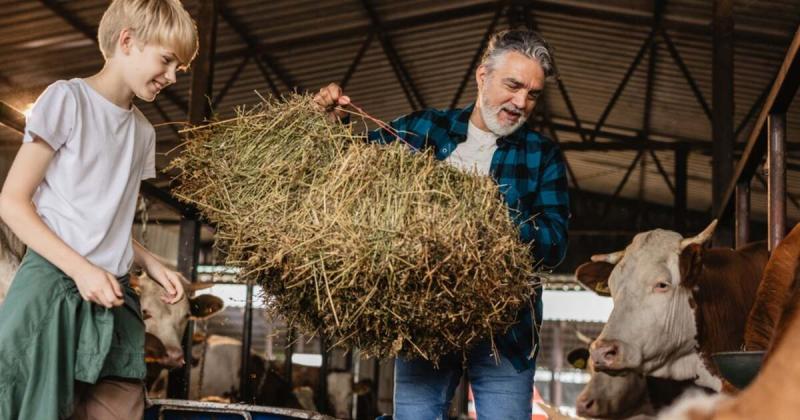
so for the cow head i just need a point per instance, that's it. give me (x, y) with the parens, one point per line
(166, 322)
(606, 396)
(652, 321)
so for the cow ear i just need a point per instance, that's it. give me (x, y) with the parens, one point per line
(594, 276)
(204, 306)
(691, 263)
(136, 283)
(579, 358)
(193, 287)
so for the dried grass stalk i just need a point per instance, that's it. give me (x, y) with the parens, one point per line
(373, 246)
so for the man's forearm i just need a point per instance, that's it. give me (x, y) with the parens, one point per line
(29, 227)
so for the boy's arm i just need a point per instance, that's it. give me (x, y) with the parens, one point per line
(19, 213)
(171, 280)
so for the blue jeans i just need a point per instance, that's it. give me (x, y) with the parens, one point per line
(424, 393)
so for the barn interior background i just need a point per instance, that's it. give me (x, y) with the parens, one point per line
(661, 110)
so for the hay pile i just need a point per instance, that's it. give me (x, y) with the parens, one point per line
(370, 245)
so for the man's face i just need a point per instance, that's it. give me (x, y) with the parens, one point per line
(508, 92)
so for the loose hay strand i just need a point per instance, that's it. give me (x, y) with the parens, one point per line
(376, 247)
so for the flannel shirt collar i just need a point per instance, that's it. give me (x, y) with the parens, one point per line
(459, 123)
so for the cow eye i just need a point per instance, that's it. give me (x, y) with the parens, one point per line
(146, 314)
(662, 286)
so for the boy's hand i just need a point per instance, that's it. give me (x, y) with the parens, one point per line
(98, 286)
(172, 281)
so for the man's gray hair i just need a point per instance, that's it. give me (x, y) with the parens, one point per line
(527, 43)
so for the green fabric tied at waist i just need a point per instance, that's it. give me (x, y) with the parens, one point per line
(50, 337)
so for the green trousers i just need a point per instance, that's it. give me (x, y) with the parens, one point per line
(50, 337)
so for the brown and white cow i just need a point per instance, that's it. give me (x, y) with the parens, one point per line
(168, 322)
(777, 287)
(217, 374)
(675, 304)
(629, 396)
(773, 393)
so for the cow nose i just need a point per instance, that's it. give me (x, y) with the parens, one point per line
(585, 406)
(175, 357)
(605, 353)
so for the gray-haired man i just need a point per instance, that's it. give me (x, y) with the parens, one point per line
(490, 137)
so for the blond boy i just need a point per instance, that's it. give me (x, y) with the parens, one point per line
(71, 332)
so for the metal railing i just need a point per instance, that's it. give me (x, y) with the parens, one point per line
(768, 137)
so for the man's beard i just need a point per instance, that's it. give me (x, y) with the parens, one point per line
(490, 117)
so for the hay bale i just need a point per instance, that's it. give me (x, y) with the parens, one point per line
(370, 245)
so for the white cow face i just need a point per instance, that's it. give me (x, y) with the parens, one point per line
(340, 393)
(168, 322)
(652, 323)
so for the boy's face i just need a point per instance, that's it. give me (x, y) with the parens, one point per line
(148, 68)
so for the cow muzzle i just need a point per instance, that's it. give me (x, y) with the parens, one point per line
(174, 358)
(607, 355)
(587, 406)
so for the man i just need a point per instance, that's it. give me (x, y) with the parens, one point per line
(490, 137)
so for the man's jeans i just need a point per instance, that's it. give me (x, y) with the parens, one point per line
(424, 393)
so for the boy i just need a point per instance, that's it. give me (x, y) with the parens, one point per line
(71, 331)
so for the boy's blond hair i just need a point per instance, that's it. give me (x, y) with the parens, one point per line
(162, 22)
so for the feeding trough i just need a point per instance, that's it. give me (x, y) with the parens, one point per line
(739, 367)
(167, 409)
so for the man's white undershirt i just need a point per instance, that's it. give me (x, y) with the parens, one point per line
(475, 154)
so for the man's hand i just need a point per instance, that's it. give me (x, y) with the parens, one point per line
(328, 98)
(172, 281)
(98, 286)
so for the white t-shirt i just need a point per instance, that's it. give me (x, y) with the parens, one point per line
(474, 154)
(102, 152)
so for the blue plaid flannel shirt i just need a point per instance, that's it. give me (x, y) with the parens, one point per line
(529, 170)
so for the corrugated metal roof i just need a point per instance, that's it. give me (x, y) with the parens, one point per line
(314, 42)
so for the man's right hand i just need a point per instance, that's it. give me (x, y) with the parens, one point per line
(98, 286)
(328, 98)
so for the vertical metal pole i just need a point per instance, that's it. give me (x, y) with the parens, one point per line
(722, 124)
(681, 186)
(322, 385)
(270, 340)
(245, 388)
(742, 213)
(355, 362)
(188, 254)
(203, 66)
(288, 351)
(556, 361)
(776, 187)
(376, 384)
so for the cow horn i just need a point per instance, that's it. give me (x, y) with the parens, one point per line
(701, 237)
(583, 338)
(612, 258)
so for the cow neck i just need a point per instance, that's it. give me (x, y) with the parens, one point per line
(723, 290)
(779, 282)
(663, 392)
(773, 393)
(691, 367)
